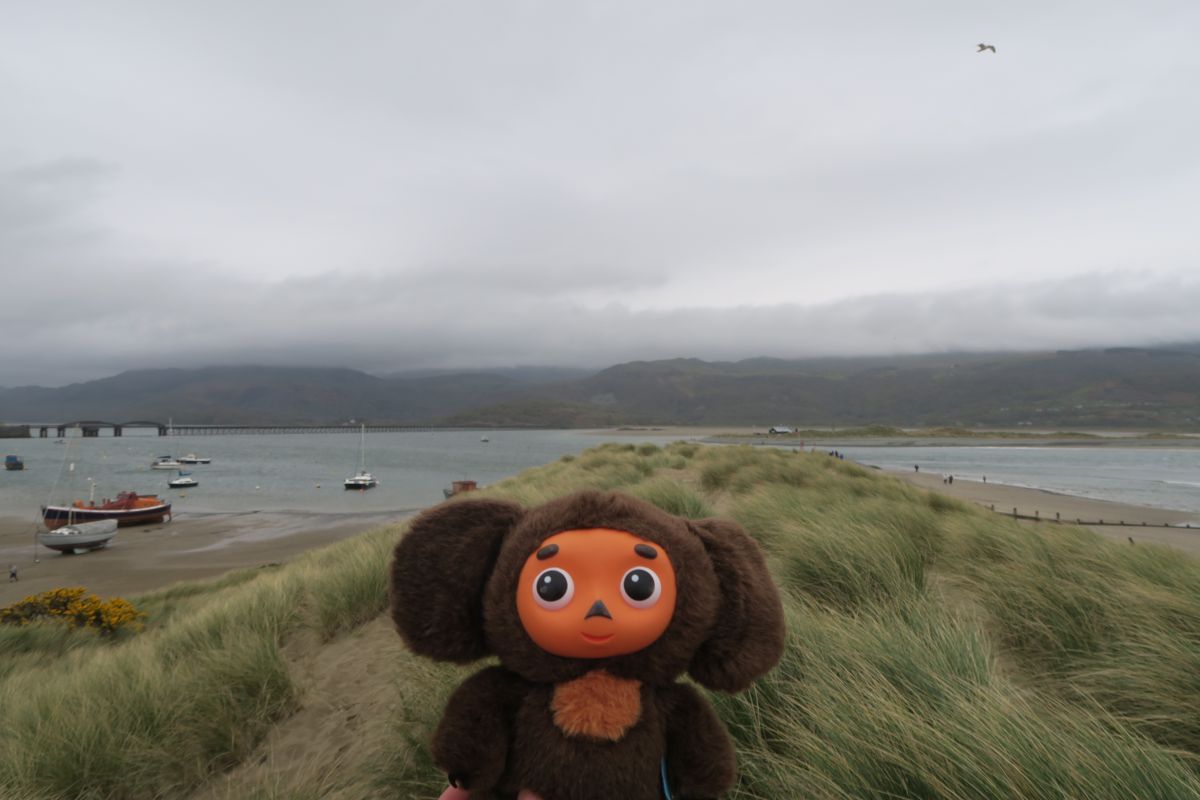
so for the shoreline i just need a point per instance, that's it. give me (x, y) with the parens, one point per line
(1147, 524)
(205, 545)
(147, 558)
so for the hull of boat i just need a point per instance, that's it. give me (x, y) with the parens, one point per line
(82, 537)
(364, 485)
(57, 516)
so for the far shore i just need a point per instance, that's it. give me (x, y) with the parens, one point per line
(149, 557)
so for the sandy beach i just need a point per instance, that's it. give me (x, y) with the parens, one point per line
(1045, 505)
(191, 547)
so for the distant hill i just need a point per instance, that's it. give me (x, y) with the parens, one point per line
(1115, 388)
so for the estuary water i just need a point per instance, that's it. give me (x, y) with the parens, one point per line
(304, 472)
(1163, 477)
(282, 472)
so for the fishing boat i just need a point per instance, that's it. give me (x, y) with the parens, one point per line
(192, 458)
(363, 479)
(129, 508)
(166, 462)
(80, 537)
(183, 480)
(13, 463)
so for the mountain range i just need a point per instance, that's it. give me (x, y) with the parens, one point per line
(1138, 388)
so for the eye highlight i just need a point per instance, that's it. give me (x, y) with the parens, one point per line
(553, 588)
(640, 587)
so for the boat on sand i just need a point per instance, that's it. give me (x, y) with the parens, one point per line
(129, 508)
(79, 538)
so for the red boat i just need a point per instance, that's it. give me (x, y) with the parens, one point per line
(129, 508)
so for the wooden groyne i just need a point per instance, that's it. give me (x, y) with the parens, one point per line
(1057, 519)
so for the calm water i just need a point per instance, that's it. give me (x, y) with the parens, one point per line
(305, 472)
(281, 472)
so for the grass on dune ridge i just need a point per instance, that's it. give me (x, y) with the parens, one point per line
(935, 651)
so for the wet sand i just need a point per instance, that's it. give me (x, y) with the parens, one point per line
(1046, 505)
(191, 547)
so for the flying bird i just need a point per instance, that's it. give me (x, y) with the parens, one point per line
(983, 47)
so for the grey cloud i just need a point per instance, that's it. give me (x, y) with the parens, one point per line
(464, 183)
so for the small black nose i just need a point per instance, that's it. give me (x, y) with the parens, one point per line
(598, 610)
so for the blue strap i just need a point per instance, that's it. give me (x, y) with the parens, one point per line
(663, 771)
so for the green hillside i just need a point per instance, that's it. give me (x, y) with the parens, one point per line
(935, 650)
(1118, 388)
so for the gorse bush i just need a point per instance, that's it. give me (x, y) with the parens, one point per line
(75, 608)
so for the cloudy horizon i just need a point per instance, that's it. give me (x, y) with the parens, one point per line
(456, 185)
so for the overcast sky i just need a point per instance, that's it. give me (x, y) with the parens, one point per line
(436, 183)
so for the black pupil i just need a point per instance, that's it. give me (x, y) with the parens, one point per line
(552, 585)
(639, 585)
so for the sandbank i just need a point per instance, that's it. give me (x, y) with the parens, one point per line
(190, 547)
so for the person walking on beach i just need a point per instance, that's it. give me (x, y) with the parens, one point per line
(12, 573)
(916, 467)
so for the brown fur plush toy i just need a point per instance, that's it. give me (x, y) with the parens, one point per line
(594, 604)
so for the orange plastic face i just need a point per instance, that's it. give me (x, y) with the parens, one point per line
(601, 594)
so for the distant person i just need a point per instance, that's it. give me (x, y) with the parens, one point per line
(916, 467)
(12, 573)
(950, 480)
(985, 478)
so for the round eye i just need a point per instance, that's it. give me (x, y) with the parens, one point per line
(640, 587)
(553, 589)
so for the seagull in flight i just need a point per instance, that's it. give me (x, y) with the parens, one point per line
(983, 47)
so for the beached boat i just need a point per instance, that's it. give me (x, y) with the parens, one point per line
(183, 481)
(363, 479)
(129, 508)
(458, 487)
(13, 463)
(81, 537)
(192, 458)
(166, 462)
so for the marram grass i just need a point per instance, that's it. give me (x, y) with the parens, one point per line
(935, 650)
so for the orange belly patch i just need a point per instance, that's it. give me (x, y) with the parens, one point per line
(598, 705)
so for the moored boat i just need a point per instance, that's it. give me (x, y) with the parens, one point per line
(363, 479)
(192, 458)
(13, 463)
(83, 536)
(183, 481)
(166, 462)
(129, 508)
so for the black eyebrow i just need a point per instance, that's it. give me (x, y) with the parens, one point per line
(547, 551)
(645, 551)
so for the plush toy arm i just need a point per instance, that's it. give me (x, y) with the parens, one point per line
(700, 757)
(471, 741)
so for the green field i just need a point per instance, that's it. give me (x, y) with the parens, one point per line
(935, 651)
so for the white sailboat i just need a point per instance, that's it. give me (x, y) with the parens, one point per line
(364, 479)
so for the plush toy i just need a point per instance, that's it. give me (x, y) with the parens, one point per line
(594, 604)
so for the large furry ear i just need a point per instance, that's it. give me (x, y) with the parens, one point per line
(439, 571)
(748, 636)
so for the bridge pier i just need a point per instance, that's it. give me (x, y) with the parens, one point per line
(116, 430)
(44, 432)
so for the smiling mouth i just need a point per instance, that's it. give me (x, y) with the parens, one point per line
(589, 638)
